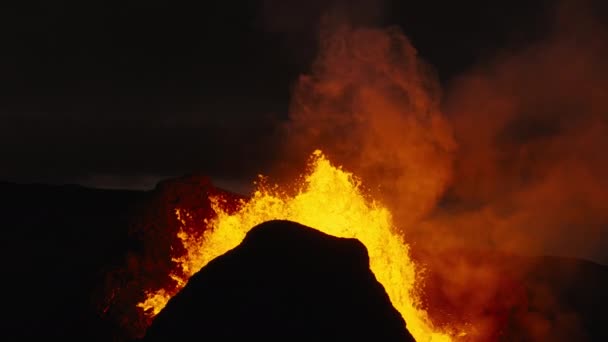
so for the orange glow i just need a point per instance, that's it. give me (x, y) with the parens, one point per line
(330, 200)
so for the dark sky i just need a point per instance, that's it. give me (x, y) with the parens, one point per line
(122, 93)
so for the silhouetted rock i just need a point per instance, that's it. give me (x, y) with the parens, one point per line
(284, 282)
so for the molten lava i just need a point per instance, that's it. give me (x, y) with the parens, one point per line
(329, 199)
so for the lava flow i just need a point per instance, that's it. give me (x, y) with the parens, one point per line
(329, 199)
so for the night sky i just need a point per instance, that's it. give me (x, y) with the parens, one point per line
(123, 93)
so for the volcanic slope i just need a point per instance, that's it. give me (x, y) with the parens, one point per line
(287, 282)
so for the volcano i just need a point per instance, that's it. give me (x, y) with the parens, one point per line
(75, 263)
(284, 282)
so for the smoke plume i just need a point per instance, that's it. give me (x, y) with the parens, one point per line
(532, 131)
(373, 106)
(509, 157)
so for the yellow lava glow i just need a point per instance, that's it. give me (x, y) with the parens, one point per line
(331, 200)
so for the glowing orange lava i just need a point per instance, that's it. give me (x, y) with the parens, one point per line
(330, 200)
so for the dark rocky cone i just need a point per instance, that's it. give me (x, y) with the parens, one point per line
(284, 282)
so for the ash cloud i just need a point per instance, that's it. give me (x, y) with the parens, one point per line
(508, 156)
(532, 129)
(528, 176)
(373, 106)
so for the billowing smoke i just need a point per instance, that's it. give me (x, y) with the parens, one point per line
(510, 157)
(374, 107)
(532, 130)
